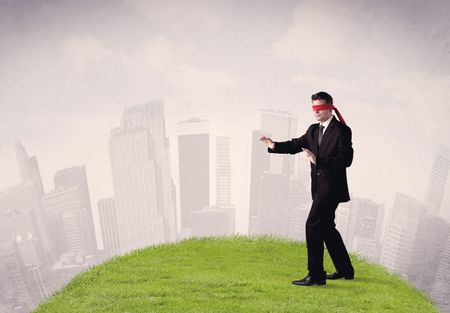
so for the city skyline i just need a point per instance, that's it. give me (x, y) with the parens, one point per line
(403, 242)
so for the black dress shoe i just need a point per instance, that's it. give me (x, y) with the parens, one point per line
(310, 281)
(337, 275)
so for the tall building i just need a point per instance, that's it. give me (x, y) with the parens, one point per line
(363, 233)
(28, 168)
(76, 177)
(22, 258)
(342, 221)
(429, 243)
(28, 247)
(440, 291)
(150, 115)
(16, 294)
(282, 126)
(299, 202)
(259, 165)
(279, 126)
(438, 180)
(25, 246)
(193, 160)
(274, 205)
(143, 187)
(398, 242)
(21, 212)
(28, 193)
(223, 171)
(304, 172)
(108, 224)
(283, 206)
(223, 183)
(64, 212)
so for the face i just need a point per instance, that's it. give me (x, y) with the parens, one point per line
(321, 115)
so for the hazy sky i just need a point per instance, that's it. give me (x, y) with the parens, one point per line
(68, 68)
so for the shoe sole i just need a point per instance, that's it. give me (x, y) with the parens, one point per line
(319, 283)
(345, 277)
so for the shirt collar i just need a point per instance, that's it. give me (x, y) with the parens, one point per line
(325, 124)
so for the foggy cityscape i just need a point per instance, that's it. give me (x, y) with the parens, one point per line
(112, 143)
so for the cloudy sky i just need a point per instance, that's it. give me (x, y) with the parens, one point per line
(69, 68)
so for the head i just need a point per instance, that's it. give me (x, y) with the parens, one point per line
(321, 98)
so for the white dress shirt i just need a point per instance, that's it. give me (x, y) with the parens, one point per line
(325, 124)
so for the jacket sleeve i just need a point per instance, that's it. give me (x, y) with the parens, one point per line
(292, 146)
(344, 156)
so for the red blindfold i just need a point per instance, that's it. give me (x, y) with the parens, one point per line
(329, 106)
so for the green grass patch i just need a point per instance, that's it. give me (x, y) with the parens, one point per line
(230, 274)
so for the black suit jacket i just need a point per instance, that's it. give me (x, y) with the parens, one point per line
(335, 154)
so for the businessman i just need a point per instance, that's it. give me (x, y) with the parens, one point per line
(328, 146)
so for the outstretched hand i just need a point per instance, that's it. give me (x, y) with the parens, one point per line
(268, 141)
(311, 156)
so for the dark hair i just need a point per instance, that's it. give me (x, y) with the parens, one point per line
(322, 95)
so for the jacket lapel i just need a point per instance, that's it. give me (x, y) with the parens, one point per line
(315, 146)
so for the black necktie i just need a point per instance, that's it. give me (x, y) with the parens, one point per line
(321, 127)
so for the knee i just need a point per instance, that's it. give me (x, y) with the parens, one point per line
(320, 224)
(313, 224)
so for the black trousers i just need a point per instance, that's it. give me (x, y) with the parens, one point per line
(320, 229)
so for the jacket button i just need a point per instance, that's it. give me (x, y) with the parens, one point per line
(318, 174)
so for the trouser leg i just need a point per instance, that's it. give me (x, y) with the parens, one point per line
(315, 237)
(320, 228)
(335, 245)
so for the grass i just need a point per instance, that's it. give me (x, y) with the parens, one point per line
(232, 274)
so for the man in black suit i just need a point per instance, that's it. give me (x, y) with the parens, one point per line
(328, 146)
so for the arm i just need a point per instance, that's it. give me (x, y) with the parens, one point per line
(344, 156)
(292, 146)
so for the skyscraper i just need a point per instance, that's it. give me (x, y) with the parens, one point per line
(438, 180)
(223, 171)
(259, 165)
(27, 196)
(193, 160)
(282, 126)
(76, 177)
(299, 202)
(399, 238)
(150, 115)
(17, 289)
(429, 244)
(364, 228)
(19, 201)
(274, 205)
(143, 186)
(440, 291)
(342, 221)
(108, 223)
(269, 194)
(64, 212)
(28, 168)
